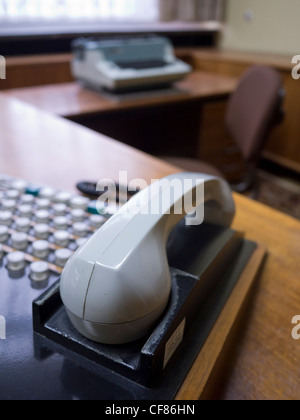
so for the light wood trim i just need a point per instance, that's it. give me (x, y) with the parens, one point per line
(72, 100)
(279, 61)
(286, 163)
(197, 378)
(36, 71)
(32, 60)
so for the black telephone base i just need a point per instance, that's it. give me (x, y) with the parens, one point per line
(155, 367)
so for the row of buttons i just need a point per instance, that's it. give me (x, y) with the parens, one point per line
(24, 224)
(40, 248)
(39, 271)
(28, 203)
(40, 228)
(27, 196)
(28, 209)
(16, 260)
(15, 188)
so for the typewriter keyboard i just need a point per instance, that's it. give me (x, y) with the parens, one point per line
(41, 228)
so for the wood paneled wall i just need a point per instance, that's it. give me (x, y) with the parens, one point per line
(36, 71)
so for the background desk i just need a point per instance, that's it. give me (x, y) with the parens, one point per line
(263, 359)
(70, 100)
(283, 146)
(180, 121)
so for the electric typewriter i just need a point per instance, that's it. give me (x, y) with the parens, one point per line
(126, 64)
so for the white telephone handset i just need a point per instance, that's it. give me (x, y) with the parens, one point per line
(117, 285)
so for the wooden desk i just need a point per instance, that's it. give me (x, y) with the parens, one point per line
(264, 359)
(30, 140)
(180, 121)
(70, 100)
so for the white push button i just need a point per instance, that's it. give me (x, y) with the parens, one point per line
(40, 249)
(79, 202)
(60, 222)
(47, 193)
(78, 215)
(16, 261)
(19, 185)
(12, 194)
(39, 271)
(25, 210)
(80, 242)
(5, 180)
(6, 218)
(80, 229)
(62, 197)
(42, 216)
(23, 224)
(9, 205)
(27, 199)
(41, 231)
(43, 204)
(62, 256)
(61, 238)
(59, 209)
(4, 233)
(97, 221)
(19, 241)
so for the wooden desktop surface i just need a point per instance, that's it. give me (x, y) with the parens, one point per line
(71, 100)
(264, 361)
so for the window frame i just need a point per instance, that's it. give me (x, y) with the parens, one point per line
(101, 27)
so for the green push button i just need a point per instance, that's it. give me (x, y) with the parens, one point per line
(94, 207)
(33, 190)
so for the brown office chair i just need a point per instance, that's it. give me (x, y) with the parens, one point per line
(253, 110)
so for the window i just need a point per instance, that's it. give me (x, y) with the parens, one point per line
(70, 10)
(125, 10)
(36, 17)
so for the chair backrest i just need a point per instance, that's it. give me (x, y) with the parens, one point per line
(254, 109)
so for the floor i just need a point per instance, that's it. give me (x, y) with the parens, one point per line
(279, 192)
